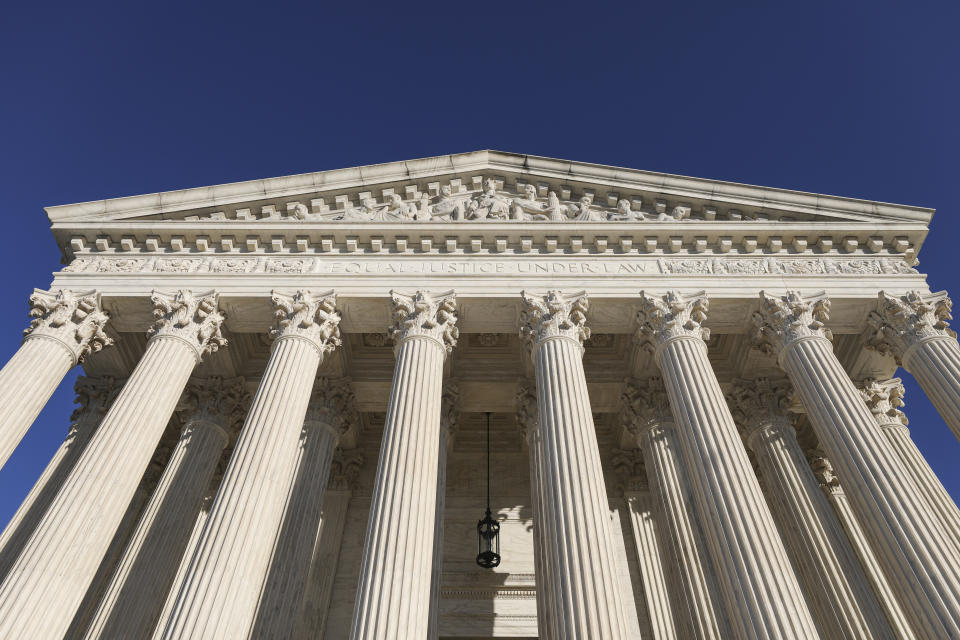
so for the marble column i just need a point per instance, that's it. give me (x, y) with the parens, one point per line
(219, 595)
(884, 398)
(449, 423)
(916, 557)
(759, 589)
(393, 592)
(66, 326)
(344, 473)
(652, 556)
(584, 593)
(913, 329)
(528, 421)
(331, 415)
(46, 584)
(212, 409)
(94, 396)
(830, 484)
(646, 414)
(840, 597)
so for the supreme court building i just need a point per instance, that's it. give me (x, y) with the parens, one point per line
(281, 424)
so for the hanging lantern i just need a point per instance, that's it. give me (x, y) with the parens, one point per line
(488, 529)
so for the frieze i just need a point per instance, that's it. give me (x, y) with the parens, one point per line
(532, 265)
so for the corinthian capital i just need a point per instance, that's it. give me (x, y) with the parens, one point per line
(554, 315)
(194, 319)
(884, 399)
(663, 318)
(528, 413)
(901, 322)
(73, 319)
(424, 315)
(760, 404)
(450, 411)
(94, 395)
(333, 404)
(627, 465)
(645, 405)
(215, 400)
(345, 469)
(782, 321)
(304, 315)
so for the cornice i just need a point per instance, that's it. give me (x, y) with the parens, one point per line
(458, 166)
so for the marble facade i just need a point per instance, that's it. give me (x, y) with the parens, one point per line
(697, 428)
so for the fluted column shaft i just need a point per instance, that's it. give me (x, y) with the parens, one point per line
(650, 558)
(668, 484)
(584, 594)
(583, 591)
(95, 394)
(219, 596)
(66, 327)
(393, 592)
(133, 601)
(913, 553)
(283, 591)
(762, 594)
(313, 620)
(830, 485)
(839, 594)
(45, 585)
(935, 364)
(26, 383)
(393, 595)
(436, 573)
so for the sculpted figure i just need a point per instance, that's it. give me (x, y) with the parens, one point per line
(626, 213)
(399, 208)
(527, 206)
(586, 212)
(489, 204)
(449, 206)
(369, 211)
(423, 211)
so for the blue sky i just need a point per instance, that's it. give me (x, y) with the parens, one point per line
(98, 100)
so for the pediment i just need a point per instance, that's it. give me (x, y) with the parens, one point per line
(484, 187)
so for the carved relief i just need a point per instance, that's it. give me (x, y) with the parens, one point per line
(289, 265)
(123, 265)
(628, 467)
(781, 321)
(241, 265)
(94, 395)
(193, 318)
(345, 469)
(645, 405)
(177, 265)
(761, 405)
(73, 319)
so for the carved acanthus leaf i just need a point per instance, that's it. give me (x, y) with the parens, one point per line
(192, 318)
(782, 321)
(823, 471)
(223, 402)
(450, 411)
(333, 404)
(422, 314)
(94, 395)
(345, 469)
(528, 413)
(761, 403)
(901, 322)
(73, 319)
(304, 315)
(645, 405)
(554, 315)
(671, 316)
(628, 466)
(884, 399)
